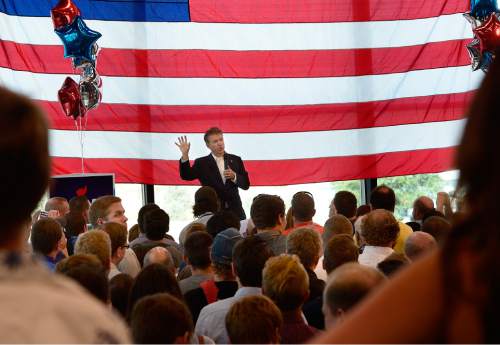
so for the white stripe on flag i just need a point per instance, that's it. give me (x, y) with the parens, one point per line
(218, 36)
(271, 91)
(273, 146)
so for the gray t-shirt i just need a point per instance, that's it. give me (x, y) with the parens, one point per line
(193, 282)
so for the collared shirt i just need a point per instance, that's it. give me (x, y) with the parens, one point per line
(212, 319)
(220, 165)
(373, 255)
(311, 225)
(64, 311)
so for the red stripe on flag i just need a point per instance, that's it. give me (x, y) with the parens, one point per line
(266, 119)
(319, 11)
(241, 64)
(271, 173)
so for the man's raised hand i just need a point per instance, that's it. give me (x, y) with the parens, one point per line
(184, 146)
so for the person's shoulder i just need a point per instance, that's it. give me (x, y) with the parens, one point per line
(404, 228)
(217, 307)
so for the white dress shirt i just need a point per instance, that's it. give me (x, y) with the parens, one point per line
(373, 255)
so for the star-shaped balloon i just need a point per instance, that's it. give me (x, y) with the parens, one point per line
(474, 54)
(70, 99)
(64, 13)
(488, 34)
(78, 40)
(481, 9)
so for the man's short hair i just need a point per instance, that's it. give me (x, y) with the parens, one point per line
(348, 285)
(338, 251)
(437, 227)
(419, 243)
(266, 210)
(79, 204)
(89, 272)
(306, 244)
(197, 249)
(345, 203)
(254, 320)
(57, 203)
(383, 197)
(75, 223)
(160, 319)
(192, 228)
(285, 281)
(142, 212)
(221, 221)
(96, 242)
(155, 278)
(211, 131)
(249, 257)
(119, 289)
(205, 200)
(336, 225)
(117, 234)
(24, 157)
(392, 264)
(99, 208)
(303, 206)
(156, 224)
(133, 232)
(159, 255)
(379, 228)
(423, 206)
(45, 235)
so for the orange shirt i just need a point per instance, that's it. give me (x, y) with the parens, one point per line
(316, 227)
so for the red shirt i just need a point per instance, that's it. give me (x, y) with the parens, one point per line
(316, 227)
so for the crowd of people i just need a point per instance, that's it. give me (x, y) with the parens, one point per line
(75, 273)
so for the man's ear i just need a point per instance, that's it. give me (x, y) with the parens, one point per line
(314, 212)
(100, 221)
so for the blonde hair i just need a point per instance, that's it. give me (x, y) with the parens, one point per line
(285, 281)
(96, 242)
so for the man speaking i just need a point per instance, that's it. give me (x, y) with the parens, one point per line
(222, 171)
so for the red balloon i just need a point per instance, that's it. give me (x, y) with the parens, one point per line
(488, 34)
(64, 13)
(70, 99)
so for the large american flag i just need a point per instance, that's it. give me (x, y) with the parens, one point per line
(305, 90)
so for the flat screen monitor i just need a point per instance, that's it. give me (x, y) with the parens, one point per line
(90, 185)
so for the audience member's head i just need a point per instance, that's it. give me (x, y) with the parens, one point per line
(285, 281)
(118, 235)
(193, 227)
(222, 253)
(346, 287)
(133, 233)
(393, 263)
(437, 227)
(362, 210)
(58, 204)
(107, 209)
(414, 226)
(383, 197)
(205, 200)
(160, 255)
(422, 206)
(307, 245)
(249, 257)
(155, 278)
(119, 289)
(433, 213)
(80, 205)
(156, 224)
(336, 225)
(161, 319)
(419, 243)
(96, 242)
(268, 212)
(75, 224)
(46, 235)
(221, 221)
(339, 250)
(254, 320)
(303, 207)
(89, 272)
(24, 156)
(197, 250)
(344, 203)
(142, 212)
(379, 228)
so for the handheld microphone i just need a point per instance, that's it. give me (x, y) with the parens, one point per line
(226, 166)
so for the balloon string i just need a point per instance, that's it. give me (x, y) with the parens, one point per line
(80, 132)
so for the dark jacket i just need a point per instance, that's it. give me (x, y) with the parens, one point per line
(206, 171)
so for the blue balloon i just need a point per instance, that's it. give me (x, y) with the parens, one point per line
(483, 8)
(486, 61)
(78, 40)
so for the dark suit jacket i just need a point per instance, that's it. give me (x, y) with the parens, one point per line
(206, 171)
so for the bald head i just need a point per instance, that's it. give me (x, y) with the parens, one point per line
(422, 206)
(337, 225)
(346, 287)
(419, 243)
(159, 255)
